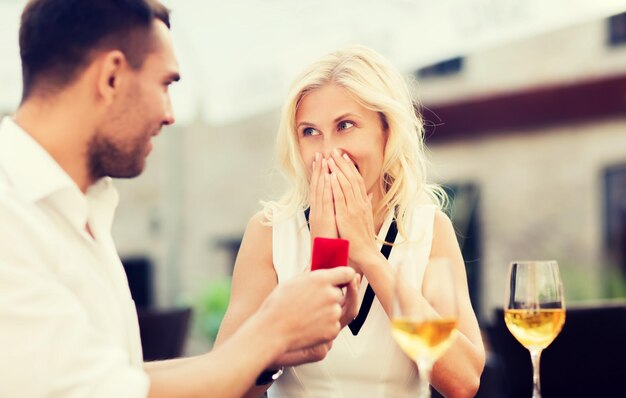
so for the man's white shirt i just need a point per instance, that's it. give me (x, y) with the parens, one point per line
(68, 325)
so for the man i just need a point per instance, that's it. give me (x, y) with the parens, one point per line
(96, 76)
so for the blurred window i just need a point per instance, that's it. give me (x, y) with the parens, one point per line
(615, 215)
(230, 244)
(617, 30)
(445, 68)
(139, 272)
(463, 210)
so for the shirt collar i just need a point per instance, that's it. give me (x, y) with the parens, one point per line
(103, 198)
(36, 176)
(29, 167)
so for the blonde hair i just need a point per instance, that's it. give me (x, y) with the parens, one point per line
(378, 86)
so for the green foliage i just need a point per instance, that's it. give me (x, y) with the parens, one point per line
(597, 283)
(211, 306)
(615, 283)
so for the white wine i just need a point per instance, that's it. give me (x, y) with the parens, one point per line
(427, 339)
(535, 329)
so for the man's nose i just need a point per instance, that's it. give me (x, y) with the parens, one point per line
(168, 117)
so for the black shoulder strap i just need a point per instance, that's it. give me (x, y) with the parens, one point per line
(368, 299)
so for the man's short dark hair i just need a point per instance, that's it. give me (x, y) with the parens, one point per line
(58, 37)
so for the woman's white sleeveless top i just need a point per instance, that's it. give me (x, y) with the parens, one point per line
(369, 364)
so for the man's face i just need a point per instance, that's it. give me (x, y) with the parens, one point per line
(123, 141)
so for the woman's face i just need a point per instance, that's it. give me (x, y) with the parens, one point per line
(330, 118)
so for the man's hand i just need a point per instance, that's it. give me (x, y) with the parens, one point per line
(306, 311)
(304, 355)
(318, 352)
(349, 307)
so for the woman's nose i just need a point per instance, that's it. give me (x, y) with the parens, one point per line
(328, 146)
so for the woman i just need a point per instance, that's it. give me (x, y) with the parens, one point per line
(351, 146)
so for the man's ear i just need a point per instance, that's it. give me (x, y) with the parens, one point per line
(110, 77)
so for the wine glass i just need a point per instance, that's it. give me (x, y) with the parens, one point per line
(425, 314)
(534, 310)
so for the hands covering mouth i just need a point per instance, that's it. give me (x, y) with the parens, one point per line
(340, 206)
(341, 154)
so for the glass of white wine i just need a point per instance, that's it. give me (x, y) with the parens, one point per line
(425, 314)
(534, 310)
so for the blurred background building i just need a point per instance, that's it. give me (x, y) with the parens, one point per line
(525, 107)
(533, 132)
(528, 135)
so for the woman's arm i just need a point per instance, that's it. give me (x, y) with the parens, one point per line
(254, 278)
(457, 372)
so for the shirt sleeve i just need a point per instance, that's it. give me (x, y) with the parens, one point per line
(49, 346)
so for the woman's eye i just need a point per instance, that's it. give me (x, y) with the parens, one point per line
(309, 131)
(345, 125)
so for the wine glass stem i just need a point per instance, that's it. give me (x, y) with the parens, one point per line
(535, 356)
(424, 368)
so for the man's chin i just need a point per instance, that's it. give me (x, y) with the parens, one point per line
(129, 172)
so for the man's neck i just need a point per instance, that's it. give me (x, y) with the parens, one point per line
(60, 129)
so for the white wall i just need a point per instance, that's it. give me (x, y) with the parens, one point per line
(541, 197)
(201, 184)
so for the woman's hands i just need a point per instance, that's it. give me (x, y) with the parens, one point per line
(341, 207)
(354, 221)
(322, 213)
(353, 208)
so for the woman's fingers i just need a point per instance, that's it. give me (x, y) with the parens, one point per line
(327, 196)
(338, 196)
(315, 172)
(327, 199)
(361, 181)
(349, 170)
(321, 185)
(322, 215)
(315, 177)
(344, 183)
